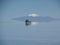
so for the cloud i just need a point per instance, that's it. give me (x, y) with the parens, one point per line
(33, 15)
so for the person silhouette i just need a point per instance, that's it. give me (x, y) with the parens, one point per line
(27, 22)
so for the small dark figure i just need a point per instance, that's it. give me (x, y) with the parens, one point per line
(27, 22)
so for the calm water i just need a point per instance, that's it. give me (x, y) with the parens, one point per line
(14, 32)
(17, 33)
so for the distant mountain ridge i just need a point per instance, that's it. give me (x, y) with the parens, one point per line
(36, 19)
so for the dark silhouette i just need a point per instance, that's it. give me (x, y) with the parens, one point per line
(27, 22)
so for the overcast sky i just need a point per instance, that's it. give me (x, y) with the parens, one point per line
(17, 8)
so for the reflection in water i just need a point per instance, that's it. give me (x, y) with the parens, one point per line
(28, 22)
(34, 23)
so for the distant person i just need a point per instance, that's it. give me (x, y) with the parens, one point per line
(27, 22)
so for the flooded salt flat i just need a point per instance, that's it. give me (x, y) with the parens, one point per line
(17, 33)
(43, 27)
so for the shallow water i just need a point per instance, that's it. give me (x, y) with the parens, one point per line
(17, 33)
(13, 32)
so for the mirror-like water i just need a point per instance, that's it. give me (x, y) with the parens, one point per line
(41, 29)
(17, 33)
